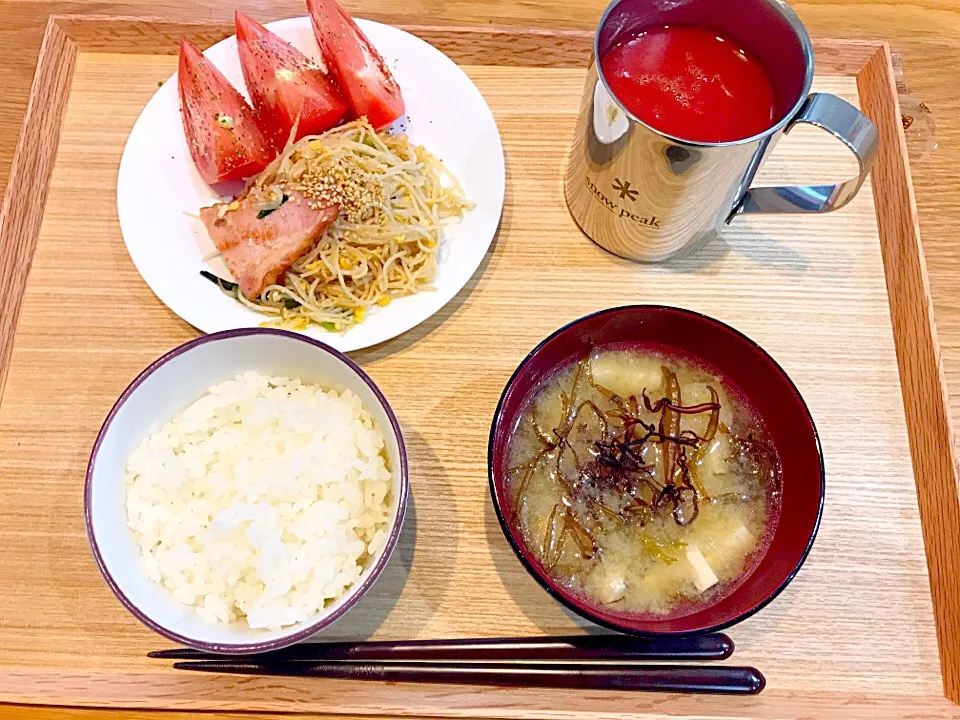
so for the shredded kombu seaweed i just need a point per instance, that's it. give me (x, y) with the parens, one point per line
(615, 468)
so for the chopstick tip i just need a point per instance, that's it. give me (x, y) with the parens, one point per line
(187, 665)
(172, 654)
(726, 644)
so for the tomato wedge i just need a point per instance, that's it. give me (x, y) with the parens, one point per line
(357, 66)
(224, 139)
(285, 84)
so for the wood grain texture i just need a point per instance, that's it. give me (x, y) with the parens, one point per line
(22, 211)
(811, 290)
(921, 373)
(925, 32)
(465, 45)
(34, 712)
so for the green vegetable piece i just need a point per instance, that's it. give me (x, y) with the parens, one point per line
(263, 213)
(225, 284)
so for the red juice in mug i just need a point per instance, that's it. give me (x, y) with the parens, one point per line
(692, 83)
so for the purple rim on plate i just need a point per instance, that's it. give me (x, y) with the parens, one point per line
(355, 592)
(569, 599)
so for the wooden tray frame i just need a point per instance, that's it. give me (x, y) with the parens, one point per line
(924, 391)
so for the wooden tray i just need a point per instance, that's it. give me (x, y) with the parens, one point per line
(840, 300)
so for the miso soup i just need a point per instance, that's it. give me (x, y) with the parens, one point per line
(643, 481)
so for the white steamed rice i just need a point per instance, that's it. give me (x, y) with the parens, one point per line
(263, 499)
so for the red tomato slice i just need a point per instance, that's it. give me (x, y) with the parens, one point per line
(224, 139)
(360, 71)
(285, 84)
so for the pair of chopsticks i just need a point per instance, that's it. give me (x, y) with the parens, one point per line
(597, 662)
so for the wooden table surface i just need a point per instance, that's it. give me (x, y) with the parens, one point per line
(925, 32)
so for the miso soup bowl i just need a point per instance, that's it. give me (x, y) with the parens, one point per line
(166, 388)
(767, 388)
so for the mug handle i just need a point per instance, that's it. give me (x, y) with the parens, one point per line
(844, 122)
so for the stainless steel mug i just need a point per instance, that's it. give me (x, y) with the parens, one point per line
(648, 196)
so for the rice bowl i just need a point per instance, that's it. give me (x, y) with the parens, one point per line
(249, 517)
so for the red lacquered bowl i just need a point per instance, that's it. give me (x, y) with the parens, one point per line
(766, 387)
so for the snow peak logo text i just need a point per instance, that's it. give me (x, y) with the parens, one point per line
(626, 192)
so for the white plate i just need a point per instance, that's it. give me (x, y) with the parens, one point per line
(158, 186)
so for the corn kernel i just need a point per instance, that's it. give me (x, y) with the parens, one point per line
(383, 301)
(235, 205)
(359, 314)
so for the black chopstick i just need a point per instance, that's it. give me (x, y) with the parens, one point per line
(659, 678)
(576, 648)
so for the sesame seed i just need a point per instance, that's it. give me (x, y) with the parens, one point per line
(341, 184)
